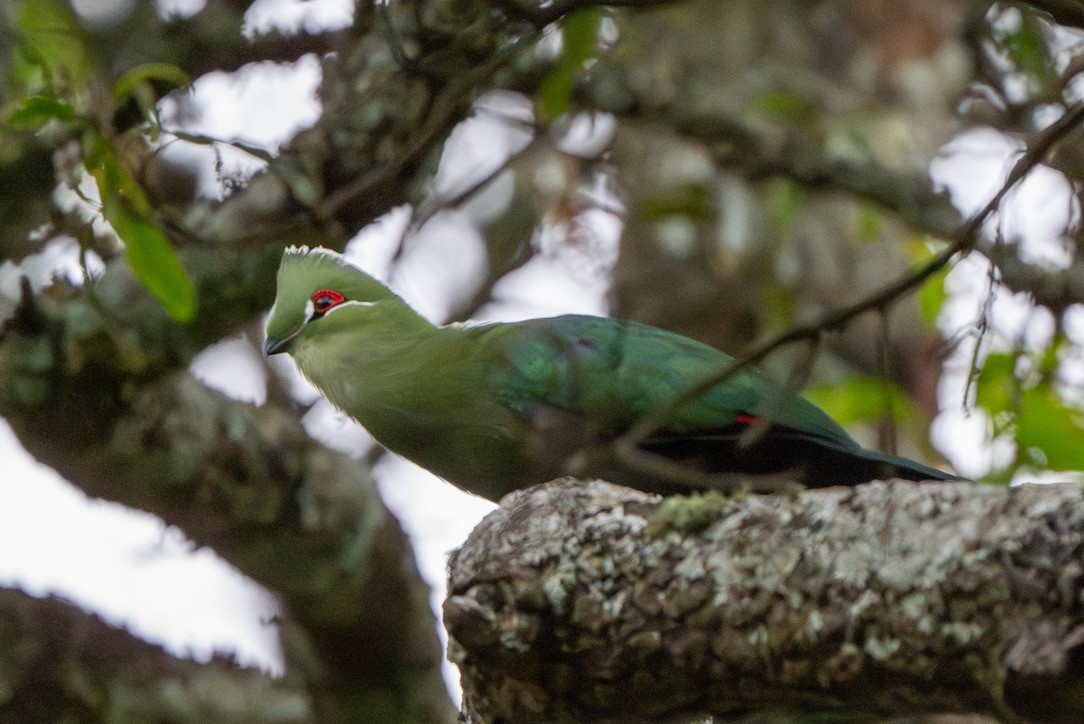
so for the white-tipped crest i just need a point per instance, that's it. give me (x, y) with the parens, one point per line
(304, 250)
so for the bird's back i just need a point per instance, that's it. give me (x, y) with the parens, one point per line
(618, 371)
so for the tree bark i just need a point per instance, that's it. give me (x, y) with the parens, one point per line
(95, 388)
(589, 602)
(60, 663)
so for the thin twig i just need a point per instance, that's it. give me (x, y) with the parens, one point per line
(888, 441)
(442, 110)
(427, 211)
(796, 380)
(543, 14)
(982, 327)
(252, 149)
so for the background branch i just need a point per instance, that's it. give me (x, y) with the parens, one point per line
(60, 663)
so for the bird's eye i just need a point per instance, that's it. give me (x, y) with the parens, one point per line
(325, 299)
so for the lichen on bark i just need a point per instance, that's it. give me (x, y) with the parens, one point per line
(574, 602)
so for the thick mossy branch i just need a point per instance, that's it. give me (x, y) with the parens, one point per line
(590, 602)
(299, 518)
(95, 387)
(60, 663)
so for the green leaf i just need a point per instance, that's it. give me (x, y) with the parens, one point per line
(36, 111)
(931, 296)
(1029, 50)
(155, 263)
(997, 384)
(580, 32)
(146, 248)
(787, 200)
(53, 39)
(869, 223)
(580, 43)
(778, 305)
(788, 106)
(864, 399)
(555, 93)
(693, 201)
(1047, 425)
(131, 81)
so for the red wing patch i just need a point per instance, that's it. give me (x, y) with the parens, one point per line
(746, 419)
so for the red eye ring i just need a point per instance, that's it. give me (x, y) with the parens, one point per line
(325, 299)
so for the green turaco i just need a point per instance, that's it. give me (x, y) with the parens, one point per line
(497, 407)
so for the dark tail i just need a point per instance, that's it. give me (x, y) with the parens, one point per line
(815, 461)
(885, 466)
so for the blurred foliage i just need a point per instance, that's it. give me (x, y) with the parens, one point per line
(579, 43)
(125, 207)
(1028, 73)
(763, 162)
(870, 400)
(931, 297)
(759, 181)
(1028, 406)
(56, 91)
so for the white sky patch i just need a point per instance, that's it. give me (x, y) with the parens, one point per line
(232, 367)
(334, 428)
(445, 261)
(544, 287)
(127, 566)
(973, 167)
(237, 105)
(1074, 323)
(180, 8)
(1072, 370)
(482, 143)
(438, 517)
(373, 248)
(102, 12)
(313, 16)
(588, 134)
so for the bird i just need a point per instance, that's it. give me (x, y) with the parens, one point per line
(501, 406)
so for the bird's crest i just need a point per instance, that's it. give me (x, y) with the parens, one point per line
(306, 270)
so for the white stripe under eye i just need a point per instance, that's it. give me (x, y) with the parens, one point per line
(310, 309)
(352, 303)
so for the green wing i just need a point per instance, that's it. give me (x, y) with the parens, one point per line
(617, 371)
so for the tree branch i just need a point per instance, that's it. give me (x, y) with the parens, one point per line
(95, 387)
(60, 663)
(1057, 290)
(909, 195)
(391, 93)
(592, 602)
(1065, 12)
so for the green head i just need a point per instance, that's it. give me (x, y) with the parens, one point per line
(313, 285)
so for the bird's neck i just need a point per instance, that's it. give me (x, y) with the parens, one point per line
(377, 357)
